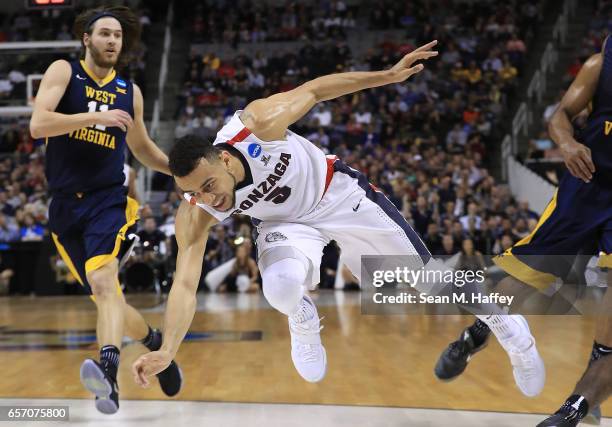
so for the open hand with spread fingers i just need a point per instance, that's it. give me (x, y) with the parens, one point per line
(404, 69)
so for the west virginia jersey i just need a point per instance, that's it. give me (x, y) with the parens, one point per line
(89, 158)
(580, 214)
(90, 214)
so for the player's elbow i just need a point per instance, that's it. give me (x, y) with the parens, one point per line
(35, 129)
(37, 125)
(313, 92)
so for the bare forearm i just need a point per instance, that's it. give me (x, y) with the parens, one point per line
(49, 123)
(152, 157)
(336, 85)
(179, 315)
(560, 127)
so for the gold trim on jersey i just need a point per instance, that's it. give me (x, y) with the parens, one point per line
(101, 83)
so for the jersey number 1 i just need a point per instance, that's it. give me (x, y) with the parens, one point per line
(92, 109)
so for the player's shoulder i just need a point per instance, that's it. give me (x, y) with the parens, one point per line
(594, 60)
(60, 68)
(58, 74)
(231, 128)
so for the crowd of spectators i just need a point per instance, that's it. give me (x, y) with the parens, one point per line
(23, 195)
(249, 21)
(481, 58)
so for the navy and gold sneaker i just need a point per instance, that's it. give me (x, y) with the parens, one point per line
(455, 358)
(98, 382)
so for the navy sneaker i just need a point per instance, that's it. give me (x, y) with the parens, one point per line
(98, 382)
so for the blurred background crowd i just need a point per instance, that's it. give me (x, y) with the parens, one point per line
(429, 144)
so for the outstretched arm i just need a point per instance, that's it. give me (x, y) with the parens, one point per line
(192, 225)
(141, 145)
(270, 117)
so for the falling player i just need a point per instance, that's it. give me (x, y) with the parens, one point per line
(302, 200)
(87, 113)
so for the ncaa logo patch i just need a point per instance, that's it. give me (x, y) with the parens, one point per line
(254, 150)
(121, 83)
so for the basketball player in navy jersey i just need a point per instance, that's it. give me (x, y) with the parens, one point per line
(579, 214)
(301, 200)
(87, 113)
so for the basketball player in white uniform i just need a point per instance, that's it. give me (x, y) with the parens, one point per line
(301, 200)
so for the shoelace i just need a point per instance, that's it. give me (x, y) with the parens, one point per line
(307, 352)
(569, 414)
(300, 328)
(527, 366)
(456, 349)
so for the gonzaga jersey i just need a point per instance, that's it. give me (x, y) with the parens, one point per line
(287, 178)
(597, 134)
(90, 158)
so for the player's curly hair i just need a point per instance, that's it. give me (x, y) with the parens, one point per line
(187, 153)
(130, 26)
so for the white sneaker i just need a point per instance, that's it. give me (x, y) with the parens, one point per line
(307, 352)
(527, 365)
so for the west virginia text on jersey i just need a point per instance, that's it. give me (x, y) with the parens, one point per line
(89, 158)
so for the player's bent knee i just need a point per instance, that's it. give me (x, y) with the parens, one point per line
(283, 283)
(103, 281)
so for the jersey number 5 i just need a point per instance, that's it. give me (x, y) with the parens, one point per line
(279, 195)
(92, 109)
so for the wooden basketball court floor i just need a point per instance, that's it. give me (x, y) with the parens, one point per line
(238, 371)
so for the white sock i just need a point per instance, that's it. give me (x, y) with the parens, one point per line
(503, 326)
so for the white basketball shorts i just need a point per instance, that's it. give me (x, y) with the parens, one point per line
(353, 213)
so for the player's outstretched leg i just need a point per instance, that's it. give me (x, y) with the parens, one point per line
(283, 282)
(170, 379)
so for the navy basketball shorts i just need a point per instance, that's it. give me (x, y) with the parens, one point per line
(578, 216)
(89, 229)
